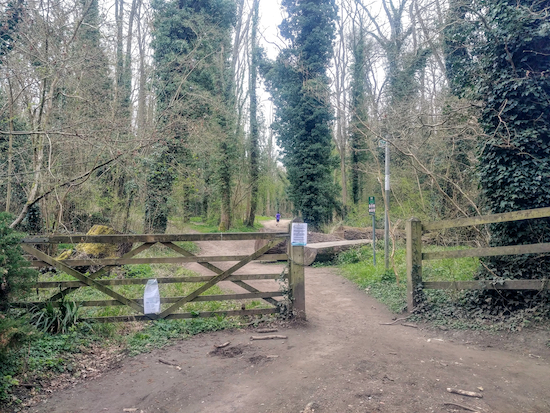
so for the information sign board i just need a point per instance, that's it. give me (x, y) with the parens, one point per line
(298, 237)
(372, 206)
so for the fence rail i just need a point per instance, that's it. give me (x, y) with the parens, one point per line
(294, 274)
(415, 256)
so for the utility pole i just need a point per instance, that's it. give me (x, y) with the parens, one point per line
(387, 208)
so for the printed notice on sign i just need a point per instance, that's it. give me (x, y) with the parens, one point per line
(299, 235)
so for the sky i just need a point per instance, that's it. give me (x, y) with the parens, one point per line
(270, 19)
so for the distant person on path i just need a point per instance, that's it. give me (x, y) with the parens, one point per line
(278, 218)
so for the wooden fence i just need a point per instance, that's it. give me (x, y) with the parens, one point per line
(294, 273)
(415, 256)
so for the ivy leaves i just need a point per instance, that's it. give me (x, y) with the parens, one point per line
(501, 59)
(298, 83)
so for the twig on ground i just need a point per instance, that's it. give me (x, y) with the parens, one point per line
(461, 406)
(167, 362)
(222, 345)
(395, 321)
(464, 392)
(268, 337)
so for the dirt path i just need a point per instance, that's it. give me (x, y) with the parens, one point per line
(341, 360)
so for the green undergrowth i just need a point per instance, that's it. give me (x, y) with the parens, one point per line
(389, 286)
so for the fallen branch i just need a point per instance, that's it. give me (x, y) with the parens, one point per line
(461, 406)
(464, 392)
(409, 325)
(222, 345)
(266, 330)
(268, 337)
(167, 362)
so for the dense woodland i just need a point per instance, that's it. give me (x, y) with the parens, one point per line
(139, 114)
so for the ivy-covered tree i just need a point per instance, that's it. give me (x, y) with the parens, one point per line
(358, 110)
(193, 80)
(298, 83)
(10, 17)
(500, 56)
(254, 127)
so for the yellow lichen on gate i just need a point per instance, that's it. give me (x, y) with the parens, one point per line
(99, 250)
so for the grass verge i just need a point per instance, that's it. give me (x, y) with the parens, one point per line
(468, 309)
(389, 286)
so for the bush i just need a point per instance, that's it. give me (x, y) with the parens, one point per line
(13, 332)
(54, 320)
(15, 276)
(15, 280)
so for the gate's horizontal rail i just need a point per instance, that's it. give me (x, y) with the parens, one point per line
(179, 316)
(163, 280)
(166, 300)
(162, 260)
(488, 219)
(488, 285)
(488, 252)
(151, 238)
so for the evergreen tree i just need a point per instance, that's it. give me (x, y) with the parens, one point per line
(299, 85)
(501, 57)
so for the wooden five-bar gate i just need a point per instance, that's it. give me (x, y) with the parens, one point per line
(293, 274)
(415, 256)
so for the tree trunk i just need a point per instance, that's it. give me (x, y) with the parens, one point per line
(254, 130)
(142, 97)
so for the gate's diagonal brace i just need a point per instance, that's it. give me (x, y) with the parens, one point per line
(103, 270)
(81, 277)
(218, 271)
(220, 277)
(186, 253)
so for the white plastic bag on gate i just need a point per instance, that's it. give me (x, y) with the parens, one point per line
(151, 297)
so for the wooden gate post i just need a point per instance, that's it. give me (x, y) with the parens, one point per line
(414, 261)
(296, 279)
